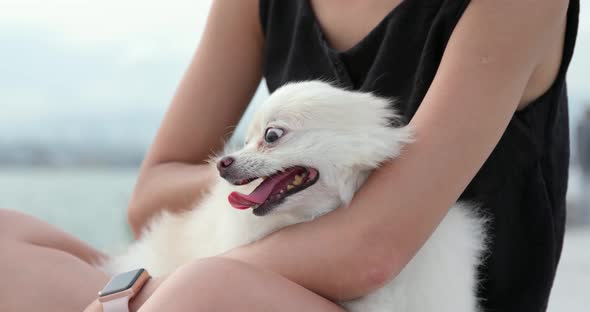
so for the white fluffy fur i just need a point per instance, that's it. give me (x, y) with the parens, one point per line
(345, 135)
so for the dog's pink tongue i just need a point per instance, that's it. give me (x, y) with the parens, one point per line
(258, 196)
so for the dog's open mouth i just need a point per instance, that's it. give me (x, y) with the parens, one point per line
(274, 189)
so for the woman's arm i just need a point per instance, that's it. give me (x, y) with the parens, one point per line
(212, 96)
(491, 56)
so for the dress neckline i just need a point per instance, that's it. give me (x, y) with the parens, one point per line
(375, 30)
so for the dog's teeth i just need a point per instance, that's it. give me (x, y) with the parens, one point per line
(297, 180)
(290, 187)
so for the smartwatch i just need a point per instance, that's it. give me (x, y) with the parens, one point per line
(115, 296)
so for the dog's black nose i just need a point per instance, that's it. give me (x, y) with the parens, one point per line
(224, 163)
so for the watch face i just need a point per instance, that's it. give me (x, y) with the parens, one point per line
(121, 282)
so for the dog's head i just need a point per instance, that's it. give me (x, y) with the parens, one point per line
(312, 145)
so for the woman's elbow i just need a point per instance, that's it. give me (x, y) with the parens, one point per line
(374, 266)
(136, 214)
(367, 277)
(143, 205)
(378, 272)
(377, 276)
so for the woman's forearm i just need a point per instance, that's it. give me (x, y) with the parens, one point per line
(172, 186)
(333, 256)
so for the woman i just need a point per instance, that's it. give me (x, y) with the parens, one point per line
(481, 82)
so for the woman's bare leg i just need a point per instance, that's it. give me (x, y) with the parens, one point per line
(43, 268)
(218, 284)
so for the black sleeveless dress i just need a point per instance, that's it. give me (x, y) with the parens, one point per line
(522, 185)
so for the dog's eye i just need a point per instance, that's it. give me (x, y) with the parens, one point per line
(273, 134)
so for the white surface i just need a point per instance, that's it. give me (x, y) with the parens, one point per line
(571, 289)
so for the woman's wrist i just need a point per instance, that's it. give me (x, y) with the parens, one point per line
(136, 302)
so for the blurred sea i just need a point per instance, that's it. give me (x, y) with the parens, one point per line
(91, 204)
(86, 202)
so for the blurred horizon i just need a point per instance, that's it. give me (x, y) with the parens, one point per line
(87, 83)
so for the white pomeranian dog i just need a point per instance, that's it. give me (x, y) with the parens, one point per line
(308, 150)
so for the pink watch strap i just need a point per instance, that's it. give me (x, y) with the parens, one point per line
(116, 305)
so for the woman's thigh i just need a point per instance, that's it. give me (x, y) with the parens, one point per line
(43, 268)
(218, 284)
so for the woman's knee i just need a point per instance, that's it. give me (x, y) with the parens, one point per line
(17, 225)
(11, 222)
(20, 227)
(228, 285)
(7, 214)
(198, 285)
(218, 272)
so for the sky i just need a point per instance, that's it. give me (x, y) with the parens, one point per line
(68, 65)
(107, 49)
